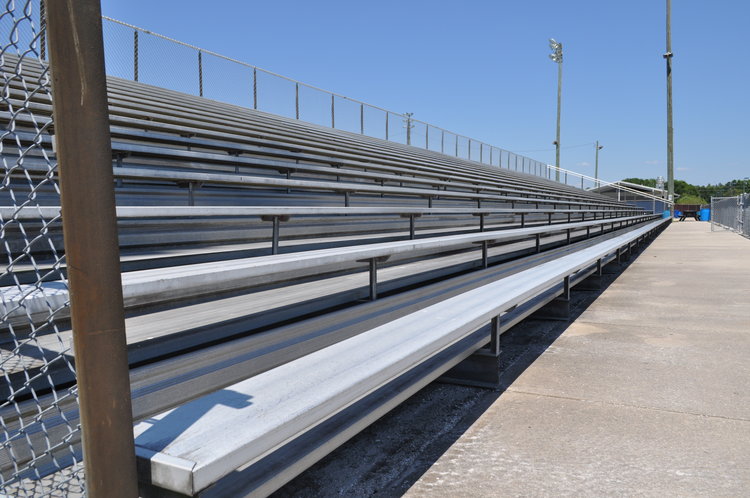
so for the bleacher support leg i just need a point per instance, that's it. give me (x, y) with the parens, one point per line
(559, 308)
(481, 368)
(373, 279)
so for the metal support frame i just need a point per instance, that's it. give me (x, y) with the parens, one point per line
(275, 230)
(84, 156)
(412, 224)
(373, 271)
(373, 279)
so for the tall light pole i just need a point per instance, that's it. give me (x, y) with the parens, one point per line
(596, 167)
(557, 56)
(670, 134)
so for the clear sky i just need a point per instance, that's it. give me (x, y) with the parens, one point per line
(480, 68)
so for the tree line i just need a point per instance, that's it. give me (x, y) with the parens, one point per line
(699, 194)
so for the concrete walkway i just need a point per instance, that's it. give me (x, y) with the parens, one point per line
(646, 393)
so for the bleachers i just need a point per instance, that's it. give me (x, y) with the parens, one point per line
(257, 250)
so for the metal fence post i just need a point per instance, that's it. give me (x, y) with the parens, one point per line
(386, 125)
(296, 100)
(200, 73)
(135, 55)
(42, 31)
(333, 112)
(91, 248)
(255, 88)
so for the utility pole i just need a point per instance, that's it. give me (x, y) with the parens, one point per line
(670, 132)
(596, 167)
(557, 56)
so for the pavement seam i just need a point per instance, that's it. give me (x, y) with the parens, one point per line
(626, 405)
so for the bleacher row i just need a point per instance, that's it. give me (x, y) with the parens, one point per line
(285, 284)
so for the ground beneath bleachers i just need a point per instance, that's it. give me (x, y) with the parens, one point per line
(644, 392)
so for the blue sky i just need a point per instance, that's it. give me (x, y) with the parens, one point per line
(480, 68)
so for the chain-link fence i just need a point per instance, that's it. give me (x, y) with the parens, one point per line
(40, 454)
(731, 213)
(137, 54)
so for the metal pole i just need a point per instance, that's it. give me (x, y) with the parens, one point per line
(408, 128)
(361, 119)
(386, 125)
(333, 111)
(296, 100)
(670, 135)
(42, 31)
(91, 248)
(200, 73)
(255, 88)
(559, 103)
(135, 54)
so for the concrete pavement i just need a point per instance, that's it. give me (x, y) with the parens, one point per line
(646, 393)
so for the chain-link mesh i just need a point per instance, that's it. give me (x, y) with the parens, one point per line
(40, 454)
(731, 213)
(137, 54)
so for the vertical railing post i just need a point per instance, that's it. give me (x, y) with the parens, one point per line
(84, 155)
(386, 125)
(135, 55)
(42, 31)
(255, 88)
(296, 100)
(333, 112)
(442, 141)
(361, 119)
(200, 73)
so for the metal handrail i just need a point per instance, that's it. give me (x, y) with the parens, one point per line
(599, 182)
